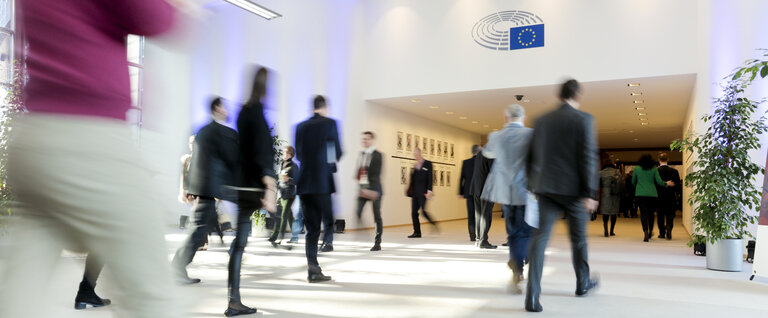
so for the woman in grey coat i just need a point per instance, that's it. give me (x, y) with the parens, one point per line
(610, 197)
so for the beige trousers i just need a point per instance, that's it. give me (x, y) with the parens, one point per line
(81, 184)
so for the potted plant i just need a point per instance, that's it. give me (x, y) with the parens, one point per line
(259, 217)
(723, 175)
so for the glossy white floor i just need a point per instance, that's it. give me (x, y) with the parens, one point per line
(444, 275)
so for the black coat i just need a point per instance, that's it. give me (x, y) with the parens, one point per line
(421, 179)
(481, 169)
(314, 138)
(668, 195)
(563, 157)
(215, 162)
(374, 171)
(256, 152)
(288, 188)
(467, 170)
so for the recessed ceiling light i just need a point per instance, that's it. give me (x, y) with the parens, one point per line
(475, 122)
(639, 108)
(638, 101)
(449, 113)
(416, 100)
(633, 84)
(434, 107)
(643, 119)
(644, 124)
(636, 139)
(486, 126)
(631, 131)
(463, 117)
(635, 94)
(642, 114)
(612, 156)
(526, 100)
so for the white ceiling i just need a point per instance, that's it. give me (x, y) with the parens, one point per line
(665, 98)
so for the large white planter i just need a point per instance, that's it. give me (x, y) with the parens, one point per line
(725, 255)
(260, 230)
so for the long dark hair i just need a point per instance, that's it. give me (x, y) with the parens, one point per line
(646, 162)
(259, 89)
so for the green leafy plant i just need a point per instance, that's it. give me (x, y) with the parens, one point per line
(723, 175)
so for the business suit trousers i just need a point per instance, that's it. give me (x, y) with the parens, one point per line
(471, 218)
(419, 202)
(376, 215)
(666, 213)
(551, 208)
(316, 208)
(205, 220)
(81, 184)
(647, 206)
(483, 218)
(518, 234)
(245, 210)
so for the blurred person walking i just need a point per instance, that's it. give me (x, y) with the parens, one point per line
(98, 195)
(369, 181)
(289, 173)
(420, 190)
(611, 184)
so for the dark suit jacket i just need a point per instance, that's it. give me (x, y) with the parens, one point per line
(563, 156)
(256, 152)
(467, 170)
(421, 179)
(481, 169)
(314, 138)
(215, 161)
(668, 195)
(374, 171)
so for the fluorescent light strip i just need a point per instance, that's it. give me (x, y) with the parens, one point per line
(633, 84)
(635, 94)
(255, 9)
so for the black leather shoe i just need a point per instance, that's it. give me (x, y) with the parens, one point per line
(487, 245)
(181, 280)
(326, 248)
(534, 307)
(86, 297)
(414, 235)
(613, 234)
(591, 286)
(100, 302)
(662, 235)
(237, 309)
(669, 236)
(376, 247)
(471, 239)
(646, 237)
(505, 244)
(318, 278)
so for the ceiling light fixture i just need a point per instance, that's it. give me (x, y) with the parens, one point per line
(635, 94)
(434, 107)
(255, 9)
(463, 117)
(639, 108)
(638, 101)
(644, 124)
(449, 113)
(486, 126)
(633, 84)
(631, 131)
(643, 119)
(642, 114)
(526, 100)
(416, 101)
(475, 122)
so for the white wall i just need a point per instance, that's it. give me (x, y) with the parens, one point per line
(426, 46)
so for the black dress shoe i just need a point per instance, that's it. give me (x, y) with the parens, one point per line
(487, 245)
(591, 286)
(318, 278)
(534, 308)
(505, 244)
(326, 248)
(376, 247)
(662, 235)
(187, 280)
(237, 309)
(669, 236)
(414, 235)
(646, 237)
(471, 239)
(613, 234)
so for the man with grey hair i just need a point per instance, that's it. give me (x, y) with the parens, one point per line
(507, 185)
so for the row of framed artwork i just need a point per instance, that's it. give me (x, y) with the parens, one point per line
(430, 147)
(441, 175)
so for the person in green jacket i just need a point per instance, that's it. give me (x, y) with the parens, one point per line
(645, 178)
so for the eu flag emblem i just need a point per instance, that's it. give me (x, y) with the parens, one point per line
(525, 37)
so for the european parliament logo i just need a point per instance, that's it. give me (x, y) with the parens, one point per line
(509, 30)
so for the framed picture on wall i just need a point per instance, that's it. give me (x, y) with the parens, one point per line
(417, 141)
(442, 178)
(452, 153)
(445, 149)
(447, 178)
(434, 178)
(439, 148)
(425, 145)
(400, 141)
(431, 146)
(408, 142)
(403, 176)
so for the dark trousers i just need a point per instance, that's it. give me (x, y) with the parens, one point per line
(418, 202)
(518, 234)
(283, 219)
(245, 210)
(205, 220)
(666, 214)
(647, 207)
(317, 208)
(483, 218)
(471, 217)
(551, 208)
(376, 215)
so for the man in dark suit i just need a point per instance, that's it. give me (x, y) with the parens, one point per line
(467, 169)
(369, 179)
(420, 190)
(213, 166)
(563, 174)
(483, 208)
(667, 204)
(318, 149)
